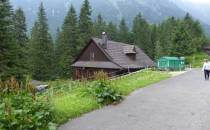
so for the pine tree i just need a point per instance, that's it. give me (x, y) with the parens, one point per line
(41, 48)
(158, 50)
(181, 42)
(142, 35)
(85, 23)
(123, 34)
(195, 31)
(153, 41)
(21, 40)
(99, 26)
(57, 53)
(8, 48)
(165, 33)
(112, 31)
(67, 49)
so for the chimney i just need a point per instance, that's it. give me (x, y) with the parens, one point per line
(104, 40)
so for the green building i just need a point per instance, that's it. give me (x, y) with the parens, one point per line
(171, 63)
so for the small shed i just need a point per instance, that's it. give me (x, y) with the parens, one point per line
(171, 63)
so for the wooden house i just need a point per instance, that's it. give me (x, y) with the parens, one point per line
(109, 56)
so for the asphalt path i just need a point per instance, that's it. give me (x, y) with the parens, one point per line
(179, 103)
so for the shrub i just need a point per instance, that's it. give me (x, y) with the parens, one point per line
(197, 59)
(20, 110)
(102, 76)
(104, 93)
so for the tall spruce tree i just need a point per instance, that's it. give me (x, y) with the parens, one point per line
(99, 26)
(67, 47)
(8, 48)
(179, 37)
(57, 52)
(123, 33)
(195, 31)
(153, 41)
(165, 33)
(85, 23)
(181, 42)
(21, 40)
(142, 35)
(41, 48)
(112, 31)
(158, 50)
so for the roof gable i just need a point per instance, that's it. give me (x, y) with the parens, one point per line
(92, 47)
(116, 51)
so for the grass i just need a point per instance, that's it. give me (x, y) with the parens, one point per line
(129, 83)
(71, 99)
(73, 105)
(196, 60)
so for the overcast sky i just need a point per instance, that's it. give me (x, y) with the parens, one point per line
(199, 1)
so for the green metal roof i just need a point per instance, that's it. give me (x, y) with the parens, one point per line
(172, 58)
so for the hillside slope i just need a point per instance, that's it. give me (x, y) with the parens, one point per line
(112, 10)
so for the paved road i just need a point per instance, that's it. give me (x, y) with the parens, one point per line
(180, 103)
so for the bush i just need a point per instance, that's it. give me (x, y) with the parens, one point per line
(20, 110)
(104, 93)
(101, 76)
(196, 60)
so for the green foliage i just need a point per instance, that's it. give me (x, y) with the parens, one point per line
(151, 51)
(41, 48)
(104, 92)
(112, 31)
(179, 37)
(163, 42)
(71, 99)
(29, 115)
(100, 76)
(85, 23)
(66, 47)
(8, 48)
(142, 35)
(182, 44)
(20, 110)
(196, 60)
(123, 33)
(99, 26)
(102, 89)
(21, 39)
(172, 37)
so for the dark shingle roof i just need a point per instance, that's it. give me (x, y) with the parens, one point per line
(116, 51)
(129, 49)
(96, 64)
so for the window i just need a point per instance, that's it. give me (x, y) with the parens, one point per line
(92, 56)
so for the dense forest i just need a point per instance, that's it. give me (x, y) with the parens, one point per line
(43, 58)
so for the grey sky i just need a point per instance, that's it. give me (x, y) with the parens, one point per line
(199, 1)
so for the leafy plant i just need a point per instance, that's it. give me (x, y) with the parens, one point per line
(20, 110)
(101, 76)
(104, 93)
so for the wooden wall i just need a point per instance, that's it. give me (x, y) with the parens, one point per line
(98, 55)
(88, 73)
